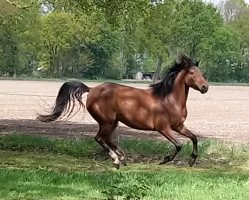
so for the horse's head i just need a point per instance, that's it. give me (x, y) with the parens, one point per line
(194, 77)
(190, 73)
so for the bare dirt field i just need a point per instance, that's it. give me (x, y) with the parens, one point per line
(221, 113)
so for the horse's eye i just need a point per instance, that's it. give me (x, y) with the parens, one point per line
(191, 71)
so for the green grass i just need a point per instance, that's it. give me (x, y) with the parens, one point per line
(49, 176)
(35, 167)
(19, 142)
(140, 150)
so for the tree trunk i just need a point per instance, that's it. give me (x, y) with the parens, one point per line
(51, 66)
(158, 69)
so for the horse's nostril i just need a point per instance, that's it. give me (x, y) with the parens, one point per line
(204, 89)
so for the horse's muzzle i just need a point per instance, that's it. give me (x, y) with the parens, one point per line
(203, 89)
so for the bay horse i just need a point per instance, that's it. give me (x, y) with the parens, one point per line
(161, 107)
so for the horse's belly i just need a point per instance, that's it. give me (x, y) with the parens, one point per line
(136, 122)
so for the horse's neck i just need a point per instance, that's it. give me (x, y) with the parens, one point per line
(180, 90)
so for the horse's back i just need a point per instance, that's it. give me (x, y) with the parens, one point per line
(112, 94)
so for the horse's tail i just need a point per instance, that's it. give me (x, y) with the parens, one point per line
(68, 93)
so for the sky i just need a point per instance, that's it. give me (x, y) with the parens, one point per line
(217, 1)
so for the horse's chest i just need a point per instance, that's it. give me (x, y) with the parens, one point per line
(180, 116)
(183, 116)
(184, 113)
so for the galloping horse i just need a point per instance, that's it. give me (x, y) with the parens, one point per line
(162, 107)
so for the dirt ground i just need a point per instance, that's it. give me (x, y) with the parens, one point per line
(221, 113)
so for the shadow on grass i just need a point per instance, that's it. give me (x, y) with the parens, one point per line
(75, 130)
(67, 129)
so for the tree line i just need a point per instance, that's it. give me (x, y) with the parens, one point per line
(115, 39)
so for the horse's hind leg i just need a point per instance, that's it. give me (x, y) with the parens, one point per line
(122, 156)
(118, 151)
(113, 146)
(169, 135)
(102, 137)
(187, 133)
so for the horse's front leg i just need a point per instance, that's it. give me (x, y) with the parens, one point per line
(168, 133)
(187, 133)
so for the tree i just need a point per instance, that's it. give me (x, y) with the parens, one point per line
(155, 33)
(14, 26)
(60, 32)
(241, 24)
(220, 53)
(116, 39)
(193, 23)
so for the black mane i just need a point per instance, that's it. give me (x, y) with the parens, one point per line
(165, 86)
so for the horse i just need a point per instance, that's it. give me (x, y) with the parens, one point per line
(161, 107)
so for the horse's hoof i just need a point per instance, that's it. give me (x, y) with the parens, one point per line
(165, 160)
(121, 156)
(191, 161)
(123, 162)
(117, 166)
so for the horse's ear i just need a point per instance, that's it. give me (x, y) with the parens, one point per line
(197, 63)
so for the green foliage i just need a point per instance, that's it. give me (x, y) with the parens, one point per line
(242, 27)
(59, 32)
(193, 24)
(220, 65)
(116, 39)
(138, 189)
(106, 54)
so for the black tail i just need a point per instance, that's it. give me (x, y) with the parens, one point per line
(68, 93)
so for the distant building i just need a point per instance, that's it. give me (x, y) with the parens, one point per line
(144, 76)
(139, 76)
(156, 2)
(148, 75)
(229, 10)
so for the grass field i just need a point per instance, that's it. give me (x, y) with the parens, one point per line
(35, 167)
